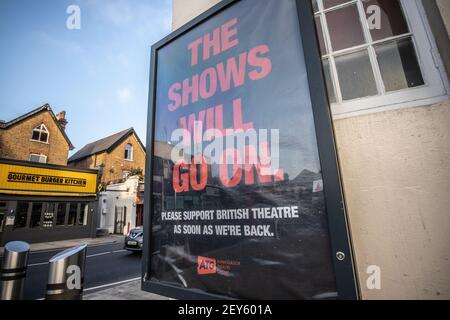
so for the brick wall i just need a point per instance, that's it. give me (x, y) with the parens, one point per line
(16, 143)
(91, 162)
(114, 163)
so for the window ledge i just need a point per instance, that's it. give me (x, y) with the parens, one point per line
(32, 140)
(342, 111)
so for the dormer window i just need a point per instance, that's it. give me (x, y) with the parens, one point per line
(40, 133)
(128, 152)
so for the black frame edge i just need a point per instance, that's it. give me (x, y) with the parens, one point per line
(346, 277)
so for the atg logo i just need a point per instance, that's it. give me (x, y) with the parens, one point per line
(206, 265)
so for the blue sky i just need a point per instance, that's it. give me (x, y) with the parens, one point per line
(98, 74)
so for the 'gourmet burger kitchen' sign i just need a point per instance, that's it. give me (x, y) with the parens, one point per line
(242, 192)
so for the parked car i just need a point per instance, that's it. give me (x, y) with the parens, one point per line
(134, 239)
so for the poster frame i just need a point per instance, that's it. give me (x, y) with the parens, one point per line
(341, 248)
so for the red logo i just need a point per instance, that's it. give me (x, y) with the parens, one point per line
(206, 265)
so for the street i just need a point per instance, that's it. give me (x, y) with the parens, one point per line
(106, 265)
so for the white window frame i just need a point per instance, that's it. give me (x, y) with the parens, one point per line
(41, 156)
(40, 130)
(436, 88)
(130, 152)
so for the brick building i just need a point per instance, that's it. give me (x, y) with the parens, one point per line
(38, 136)
(41, 199)
(116, 156)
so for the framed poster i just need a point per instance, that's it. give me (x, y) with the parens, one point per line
(243, 197)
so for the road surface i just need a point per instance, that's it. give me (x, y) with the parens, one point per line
(106, 265)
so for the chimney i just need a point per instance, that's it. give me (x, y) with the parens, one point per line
(61, 118)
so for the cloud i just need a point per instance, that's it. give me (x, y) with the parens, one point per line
(124, 94)
(149, 19)
(119, 58)
(72, 51)
(118, 12)
(63, 45)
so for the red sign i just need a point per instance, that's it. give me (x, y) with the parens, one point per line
(206, 265)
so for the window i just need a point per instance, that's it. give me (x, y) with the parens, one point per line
(20, 220)
(373, 55)
(49, 215)
(73, 210)
(128, 152)
(82, 219)
(40, 158)
(40, 133)
(61, 214)
(36, 213)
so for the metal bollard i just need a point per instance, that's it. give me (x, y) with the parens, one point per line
(14, 270)
(66, 274)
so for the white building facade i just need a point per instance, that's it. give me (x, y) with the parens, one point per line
(119, 206)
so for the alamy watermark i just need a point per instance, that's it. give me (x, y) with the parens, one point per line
(73, 21)
(373, 281)
(74, 279)
(228, 147)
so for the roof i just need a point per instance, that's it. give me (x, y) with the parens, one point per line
(106, 144)
(45, 107)
(45, 165)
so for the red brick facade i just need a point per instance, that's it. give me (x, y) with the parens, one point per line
(16, 138)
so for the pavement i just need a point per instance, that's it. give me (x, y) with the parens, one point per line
(130, 290)
(107, 265)
(56, 245)
(112, 273)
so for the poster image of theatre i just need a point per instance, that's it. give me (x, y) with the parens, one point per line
(237, 197)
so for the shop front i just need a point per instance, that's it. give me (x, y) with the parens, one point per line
(40, 202)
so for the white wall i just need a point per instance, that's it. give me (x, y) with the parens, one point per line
(120, 195)
(396, 173)
(184, 11)
(444, 7)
